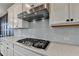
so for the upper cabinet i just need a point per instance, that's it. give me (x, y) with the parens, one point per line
(13, 20)
(58, 13)
(17, 10)
(74, 12)
(11, 16)
(64, 14)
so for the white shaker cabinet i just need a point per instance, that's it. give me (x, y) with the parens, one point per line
(6, 48)
(10, 51)
(17, 10)
(64, 14)
(11, 16)
(74, 12)
(58, 13)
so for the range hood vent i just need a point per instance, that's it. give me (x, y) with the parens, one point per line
(38, 15)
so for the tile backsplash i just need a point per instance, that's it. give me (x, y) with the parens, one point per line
(41, 29)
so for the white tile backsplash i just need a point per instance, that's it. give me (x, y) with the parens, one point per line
(40, 29)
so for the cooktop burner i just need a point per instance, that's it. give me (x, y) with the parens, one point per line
(37, 43)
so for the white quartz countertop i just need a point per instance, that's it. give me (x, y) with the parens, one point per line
(54, 49)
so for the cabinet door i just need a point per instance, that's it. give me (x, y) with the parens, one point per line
(9, 48)
(58, 13)
(9, 52)
(3, 48)
(11, 16)
(74, 11)
(17, 10)
(13, 11)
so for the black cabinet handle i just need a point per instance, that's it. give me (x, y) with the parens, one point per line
(7, 48)
(7, 43)
(67, 20)
(72, 19)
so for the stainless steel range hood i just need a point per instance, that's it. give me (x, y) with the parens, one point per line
(38, 15)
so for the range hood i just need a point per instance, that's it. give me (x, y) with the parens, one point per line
(38, 15)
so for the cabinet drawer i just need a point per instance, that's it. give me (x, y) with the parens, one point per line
(17, 53)
(25, 52)
(10, 45)
(9, 52)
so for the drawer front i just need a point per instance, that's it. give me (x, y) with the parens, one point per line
(10, 45)
(9, 52)
(25, 52)
(17, 53)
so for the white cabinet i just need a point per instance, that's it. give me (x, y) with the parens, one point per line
(9, 52)
(3, 48)
(10, 48)
(13, 19)
(6, 48)
(58, 12)
(20, 51)
(11, 16)
(17, 10)
(74, 11)
(18, 54)
(64, 14)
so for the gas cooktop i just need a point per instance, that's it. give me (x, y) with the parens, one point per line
(37, 43)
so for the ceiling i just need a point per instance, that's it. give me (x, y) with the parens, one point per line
(4, 7)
